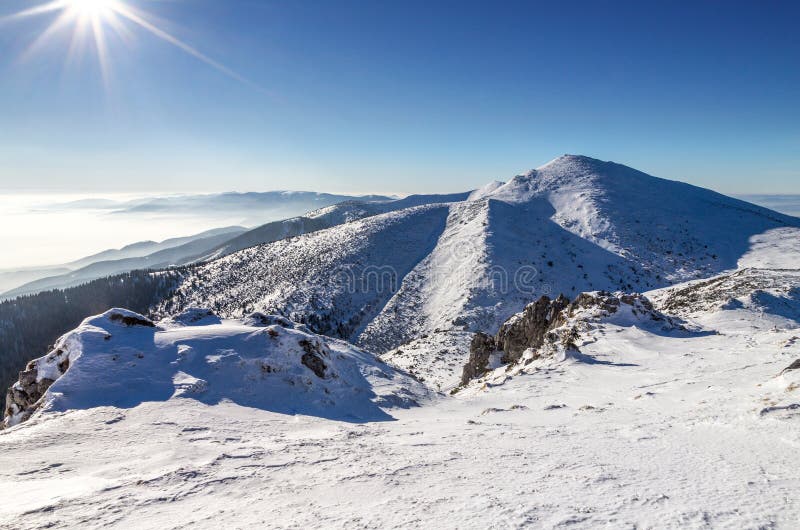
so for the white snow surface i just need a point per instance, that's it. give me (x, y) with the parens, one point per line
(258, 362)
(647, 429)
(646, 426)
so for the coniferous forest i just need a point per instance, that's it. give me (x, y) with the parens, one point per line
(29, 325)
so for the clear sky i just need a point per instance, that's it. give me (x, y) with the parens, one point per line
(399, 97)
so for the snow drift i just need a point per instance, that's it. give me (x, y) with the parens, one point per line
(122, 359)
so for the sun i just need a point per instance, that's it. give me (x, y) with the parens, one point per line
(92, 8)
(94, 20)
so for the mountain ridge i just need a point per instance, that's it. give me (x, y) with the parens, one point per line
(574, 224)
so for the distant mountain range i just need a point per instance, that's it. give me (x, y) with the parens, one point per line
(254, 208)
(144, 255)
(210, 244)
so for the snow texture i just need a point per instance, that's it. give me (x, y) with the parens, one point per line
(207, 419)
(120, 359)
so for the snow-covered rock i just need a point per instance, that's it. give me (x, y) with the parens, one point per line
(122, 359)
(763, 291)
(547, 328)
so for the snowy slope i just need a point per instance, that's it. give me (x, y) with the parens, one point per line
(326, 217)
(331, 278)
(575, 224)
(121, 359)
(647, 429)
(686, 422)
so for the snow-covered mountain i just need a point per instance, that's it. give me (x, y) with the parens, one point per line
(208, 245)
(644, 421)
(428, 273)
(327, 217)
(671, 403)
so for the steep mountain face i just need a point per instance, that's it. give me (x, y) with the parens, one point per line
(336, 280)
(576, 224)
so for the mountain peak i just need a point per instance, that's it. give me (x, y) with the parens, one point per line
(566, 170)
(568, 159)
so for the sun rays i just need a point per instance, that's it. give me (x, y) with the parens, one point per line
(90, 21)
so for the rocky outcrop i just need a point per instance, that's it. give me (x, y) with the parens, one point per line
(131, 320)
(22, 399)
(480, 351)
(528, 329)
(547, 326)
(25, 396)
(313, 358)
(794, 366)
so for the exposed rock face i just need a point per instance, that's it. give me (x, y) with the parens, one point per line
(25, 396)
(313, 358)
(22, 398)
(547, 326)
(480, 350)
(528, 329)
(132, 320)
(794, 366)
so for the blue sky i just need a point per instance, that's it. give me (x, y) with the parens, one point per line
(405, 96)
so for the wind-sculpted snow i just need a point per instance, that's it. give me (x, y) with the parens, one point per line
(121, 359)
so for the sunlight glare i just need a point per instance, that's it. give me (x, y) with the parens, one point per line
(93, 17)
(92, 8)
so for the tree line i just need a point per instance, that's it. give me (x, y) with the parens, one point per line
(30, 324)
